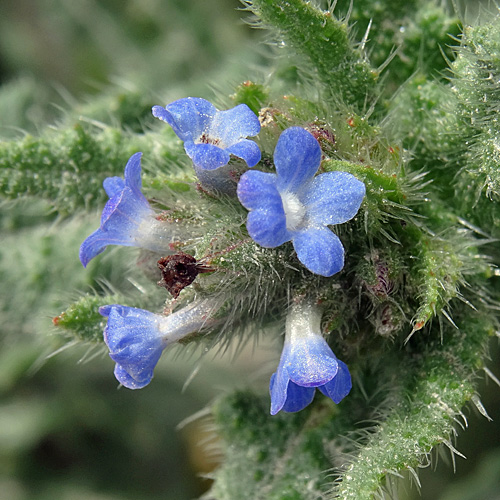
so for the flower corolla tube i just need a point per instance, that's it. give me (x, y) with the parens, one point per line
(307, 362)
(128, 219)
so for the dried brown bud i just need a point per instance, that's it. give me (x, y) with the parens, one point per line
(179, 271)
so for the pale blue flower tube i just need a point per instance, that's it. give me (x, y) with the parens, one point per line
(307, 362)
(128, 219)
(136, 338)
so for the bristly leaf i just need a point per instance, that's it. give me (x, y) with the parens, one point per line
(67, 166)
(436, 392)
(419, 35)
(476, 76)
(82, 321)
(325, 41)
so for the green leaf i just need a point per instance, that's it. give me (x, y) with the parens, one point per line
(67, 166)
(325, 41)
(82, 320)
(424, 414)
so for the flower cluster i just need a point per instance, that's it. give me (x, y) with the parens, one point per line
(292, 205)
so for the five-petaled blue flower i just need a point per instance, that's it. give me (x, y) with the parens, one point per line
(136, 338)
(127, 218)
(307, 362)
(294, 205)
(211, 136)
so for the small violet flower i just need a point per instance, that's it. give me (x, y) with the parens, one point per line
(127, 218)
(136, 338)
(306, 363)
(211, 136)
(294, 205)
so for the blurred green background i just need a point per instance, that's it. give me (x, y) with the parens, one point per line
(66, 432)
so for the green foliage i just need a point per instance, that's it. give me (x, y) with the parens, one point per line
(83, 320)
(67, 166)
(252, 94)
(46, 260)
(324, 40)
(412, 31)
(272, 457)
(452, 129)
(434, 392)
(475, 84)
(267, 454)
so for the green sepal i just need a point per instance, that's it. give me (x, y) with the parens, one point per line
(254, 95)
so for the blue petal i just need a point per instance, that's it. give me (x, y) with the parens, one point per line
(278, 388)
(119, 224)
(268, 227)
(112, 205)
(333, 197)
(142, 362)
(93, 245)
(206, 156)
(305, 363)
(127, 381)
(258, 190)
(297, 157)
(246, 150)
(189, 117)
(113, 185)
(134, 340)
(123, 324)
(120, 219)
(298, 397)
(123, 213)
(338, 388)
(133, 173)
(309, 361)
(233, 124)
(319, 250)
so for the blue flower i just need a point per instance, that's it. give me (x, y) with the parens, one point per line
(136, 338)
(294, 205)
(211, 136)
(307, 362)
(127, 218)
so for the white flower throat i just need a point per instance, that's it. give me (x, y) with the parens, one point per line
(295, 211)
